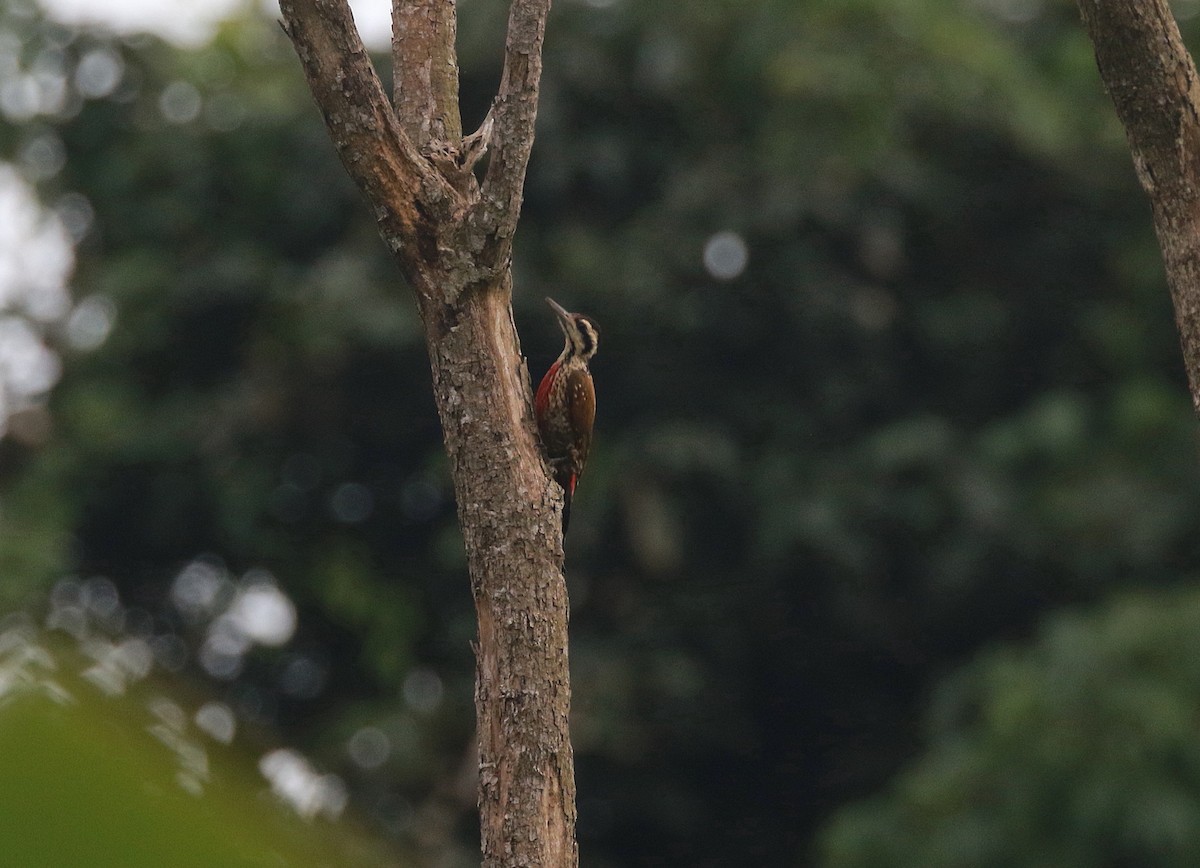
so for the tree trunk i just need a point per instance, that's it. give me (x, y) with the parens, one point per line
(452, 238)
(1153, 84)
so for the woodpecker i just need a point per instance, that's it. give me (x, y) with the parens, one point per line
(565, 404)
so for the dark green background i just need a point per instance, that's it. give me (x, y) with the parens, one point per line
(941, 407)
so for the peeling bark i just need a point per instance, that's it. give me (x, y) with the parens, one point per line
(1153, 84)
(453, 241)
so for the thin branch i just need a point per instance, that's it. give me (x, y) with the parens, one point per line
(476, 145)
(426, 71)
(513, 114)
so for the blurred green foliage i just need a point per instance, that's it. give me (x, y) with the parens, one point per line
(888, 374)
(1077, 751)
(125, 780)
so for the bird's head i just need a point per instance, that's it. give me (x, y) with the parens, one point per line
(582, 333)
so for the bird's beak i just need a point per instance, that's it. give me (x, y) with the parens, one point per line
(563, 313)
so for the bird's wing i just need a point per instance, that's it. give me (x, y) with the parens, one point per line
(581, 397)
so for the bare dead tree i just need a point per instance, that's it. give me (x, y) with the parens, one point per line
(1153, 84)
(452, 237)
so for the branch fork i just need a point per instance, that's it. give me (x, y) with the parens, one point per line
(452, 236)
(409, 157)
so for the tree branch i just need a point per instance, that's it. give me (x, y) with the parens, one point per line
(513, 116)
(425, 71)
(1153, 84)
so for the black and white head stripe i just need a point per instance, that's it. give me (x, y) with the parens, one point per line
(587, 336)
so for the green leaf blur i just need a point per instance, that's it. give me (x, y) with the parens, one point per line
(127, 781)
(1077, 751)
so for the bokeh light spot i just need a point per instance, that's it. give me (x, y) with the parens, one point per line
(369, 747)
(726, 255)
(423, 690)
(91, 322)
(297, 783)
(303, 678)
(76, 214)
(351, 503)
(264, 614)
(198, 589)
(98, 73)
(180, 103)
(42, 157)
(217, 720)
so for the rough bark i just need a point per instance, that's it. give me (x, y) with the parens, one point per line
(1153, 84)
(426, 84)
(452, 238)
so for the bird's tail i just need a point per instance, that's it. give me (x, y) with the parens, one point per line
(568, 496)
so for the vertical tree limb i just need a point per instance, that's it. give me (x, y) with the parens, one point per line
(454, 242)
(1153, 84)
(513, 115)
(425, 74)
